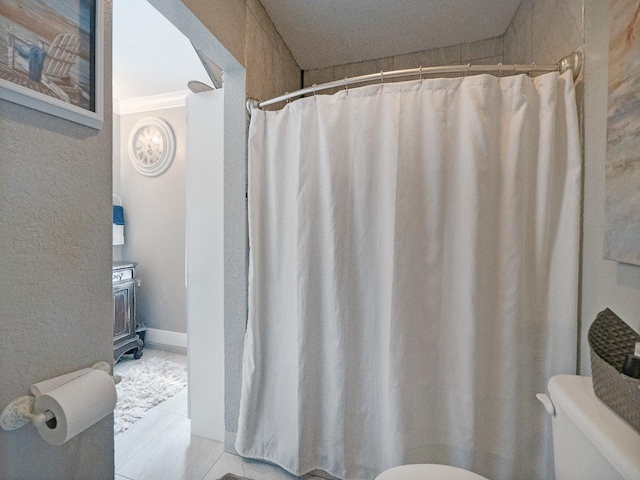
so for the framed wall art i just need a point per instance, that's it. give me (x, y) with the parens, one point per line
(52, 59)
(622, 188)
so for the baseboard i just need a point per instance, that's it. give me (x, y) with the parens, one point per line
(230, 442)
(155, 336)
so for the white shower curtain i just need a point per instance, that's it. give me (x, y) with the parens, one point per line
(413, 276)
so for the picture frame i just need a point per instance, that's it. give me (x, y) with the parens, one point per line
(53, 60)
(622, 172)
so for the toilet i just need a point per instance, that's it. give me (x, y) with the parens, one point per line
(590, 442)
(428, 472)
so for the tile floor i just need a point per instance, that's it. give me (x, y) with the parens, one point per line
(160, 446)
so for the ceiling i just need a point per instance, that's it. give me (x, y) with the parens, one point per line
(322, 33)
(150, 55)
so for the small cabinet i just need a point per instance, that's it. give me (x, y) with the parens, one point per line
(125, 339)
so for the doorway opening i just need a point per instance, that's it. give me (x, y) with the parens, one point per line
(168, 186)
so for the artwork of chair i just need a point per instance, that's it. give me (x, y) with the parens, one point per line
(50, 66)
(51, 57)
(61, 56)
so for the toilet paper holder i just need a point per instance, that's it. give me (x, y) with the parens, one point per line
(20, 411)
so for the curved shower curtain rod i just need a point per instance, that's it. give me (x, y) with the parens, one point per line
(570, 62)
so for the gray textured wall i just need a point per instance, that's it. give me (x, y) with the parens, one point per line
(56, 306)
(483, 52)
(543, 31)
(155, 210)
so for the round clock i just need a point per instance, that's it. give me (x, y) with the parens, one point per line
(152, 146)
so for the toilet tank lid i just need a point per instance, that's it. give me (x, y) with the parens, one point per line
(618, 442)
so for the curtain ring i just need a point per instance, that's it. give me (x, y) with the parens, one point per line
(346, 86)
(467, 70)
(500, 69)
(381, 76)
(314, 89)
(288, 99)
(533, 67)
(420, 72)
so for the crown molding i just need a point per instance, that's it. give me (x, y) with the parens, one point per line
(150, 103)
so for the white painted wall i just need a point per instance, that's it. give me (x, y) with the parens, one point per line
(205, 262)
(152, 58)
(150, 55)
(154, 209)
(604, 283)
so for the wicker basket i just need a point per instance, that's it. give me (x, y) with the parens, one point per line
(610, 341)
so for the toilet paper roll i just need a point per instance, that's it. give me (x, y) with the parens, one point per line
(76, 405)
(40, 388)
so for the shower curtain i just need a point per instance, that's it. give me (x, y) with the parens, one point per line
(413, 276)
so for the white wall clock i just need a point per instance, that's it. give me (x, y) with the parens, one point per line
(152, 146)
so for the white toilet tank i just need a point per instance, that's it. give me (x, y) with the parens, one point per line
(590, 442)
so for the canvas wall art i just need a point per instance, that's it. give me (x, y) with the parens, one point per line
(51, 56)
(622, 197)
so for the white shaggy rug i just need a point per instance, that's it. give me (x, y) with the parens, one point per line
(144, 385)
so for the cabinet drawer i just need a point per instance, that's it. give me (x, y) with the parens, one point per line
(122, 313)
(122, 275)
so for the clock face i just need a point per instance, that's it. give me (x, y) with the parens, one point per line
(151, 146)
